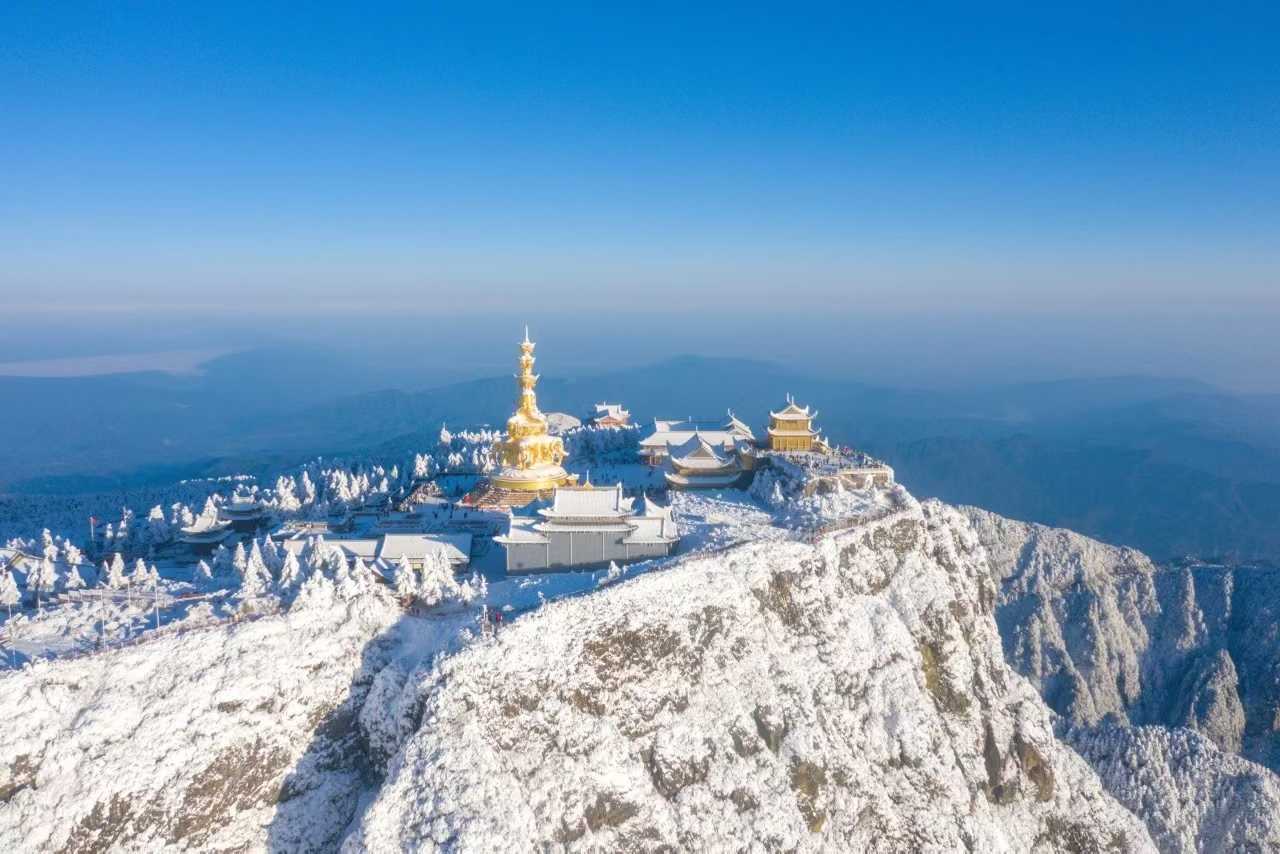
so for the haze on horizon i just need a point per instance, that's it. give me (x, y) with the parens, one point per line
(933, 196)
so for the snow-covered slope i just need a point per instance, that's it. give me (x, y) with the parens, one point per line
(1193, 796)
(843, 695)
(772, 691)
(219, 739)
(1107, 635)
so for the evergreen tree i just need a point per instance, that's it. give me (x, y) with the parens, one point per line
(253, 584)
(201, 574)
(437, 583)
(239, 560)
(221, 564)
(9, 595)
(158, 530)
(42, 579)
(114, 572)
(271, 555)
(316, 590)
(290, 572)
(74, 580)
(406, 580)
(308, 489)
(141, 576)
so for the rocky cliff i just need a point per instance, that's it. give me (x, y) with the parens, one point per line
(844, 695)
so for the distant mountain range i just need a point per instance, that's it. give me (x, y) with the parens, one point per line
(1167, 465)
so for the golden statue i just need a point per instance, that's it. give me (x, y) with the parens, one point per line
(529, 460)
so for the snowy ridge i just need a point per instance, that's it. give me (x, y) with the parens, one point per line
(197, 741)
(1192, 796)
(848, 695)
(1107, 635)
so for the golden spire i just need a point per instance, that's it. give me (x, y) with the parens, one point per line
(527, 379)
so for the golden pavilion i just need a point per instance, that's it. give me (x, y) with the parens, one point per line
(530, 459)
(791, 429)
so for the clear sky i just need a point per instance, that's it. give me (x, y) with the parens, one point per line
(837, 159)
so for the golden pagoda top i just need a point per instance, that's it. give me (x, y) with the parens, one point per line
(529, 459)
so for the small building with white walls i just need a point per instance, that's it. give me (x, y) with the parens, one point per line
(586, 526)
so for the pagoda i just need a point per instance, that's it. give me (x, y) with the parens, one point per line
(529, 459)
(791, 429)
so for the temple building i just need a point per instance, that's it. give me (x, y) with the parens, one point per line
(205, 533)
(728, 434)
(585, 526)
(245, 513)
(610, 415)
(530, 458)
(700, 464)
(791, 430)
(384, 552)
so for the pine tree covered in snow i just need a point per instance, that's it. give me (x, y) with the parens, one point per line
(290, 573)
(42, 579)
(113, 573)
(9, 593)
(239, 560)
(221, 563)
(437, 584)
(406, 580)
(73, 580)
(202, 573)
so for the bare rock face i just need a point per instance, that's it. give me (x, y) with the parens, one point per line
(1193, 796)
(1106, 635)
(845, 695)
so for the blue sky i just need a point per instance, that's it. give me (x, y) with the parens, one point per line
(437, 157)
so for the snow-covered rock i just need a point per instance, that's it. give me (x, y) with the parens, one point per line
(238, 736)
(843, 695)
(1102, 631)
(1193, 796)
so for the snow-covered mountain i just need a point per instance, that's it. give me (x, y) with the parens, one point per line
(844, 695)
(1106, 634)
(872, 689)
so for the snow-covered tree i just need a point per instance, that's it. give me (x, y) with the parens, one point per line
(437, 583)
(317, 590)
(406, 579)
(113, 572)
(158, 530)
(287, 495)
(308, 488)
(141, 577)
(71, 554)
(362, 574)
(271, 555)
(239, 560)
(9, 594)
(73, 580)
(202, 573)
(290, 573)
(255, 581)
(221, 563)
(42, 579)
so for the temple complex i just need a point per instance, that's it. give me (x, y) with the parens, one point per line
(530, 459)
(791, 430)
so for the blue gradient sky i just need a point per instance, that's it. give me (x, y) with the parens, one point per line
(455, 157)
